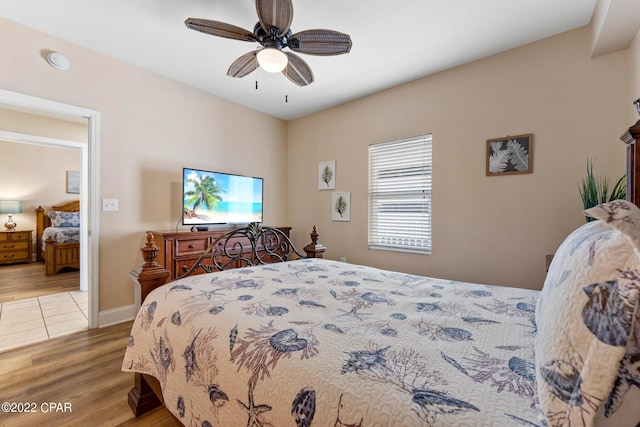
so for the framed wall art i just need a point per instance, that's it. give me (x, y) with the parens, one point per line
(341, 206)
(327, 175)
(510, 155)
(73, 182)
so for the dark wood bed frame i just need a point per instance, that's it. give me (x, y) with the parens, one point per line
(246, 246)
(56, 256)
(147, 394)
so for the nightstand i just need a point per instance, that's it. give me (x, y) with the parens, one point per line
(15, 246)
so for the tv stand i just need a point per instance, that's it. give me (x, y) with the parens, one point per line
(179, 251)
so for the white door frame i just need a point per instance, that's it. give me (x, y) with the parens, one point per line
(89, 177)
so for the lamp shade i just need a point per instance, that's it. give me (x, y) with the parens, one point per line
(272, 59)
(10, 207)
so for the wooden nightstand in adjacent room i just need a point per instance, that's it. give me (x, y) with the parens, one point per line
(15, 246)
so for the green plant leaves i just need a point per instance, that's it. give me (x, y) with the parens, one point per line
(595, 191)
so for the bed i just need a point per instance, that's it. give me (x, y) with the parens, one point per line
(315, 342)
(319, 342)
(58, 235)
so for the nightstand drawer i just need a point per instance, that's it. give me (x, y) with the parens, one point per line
(20, 236)
(22, 255)
(14, 246)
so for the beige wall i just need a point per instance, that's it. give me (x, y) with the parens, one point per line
(36, 174)
(38, 180)
(494, 230)
(150, 128)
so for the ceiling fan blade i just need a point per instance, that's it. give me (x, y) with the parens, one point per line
(297, 70)
(244, 65)
(320, 42)
(220, 29)
(275, 13)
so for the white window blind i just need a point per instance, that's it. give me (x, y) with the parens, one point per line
(400, 195)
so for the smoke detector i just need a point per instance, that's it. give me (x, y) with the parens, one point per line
(57, 60)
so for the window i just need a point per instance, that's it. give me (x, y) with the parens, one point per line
(400, 195)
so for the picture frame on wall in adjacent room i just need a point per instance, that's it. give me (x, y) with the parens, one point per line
(341, 206)
(327, 175)
(73, 182)
(510, 155)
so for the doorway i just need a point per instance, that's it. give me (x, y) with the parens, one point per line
(89, 175)
(36, 306)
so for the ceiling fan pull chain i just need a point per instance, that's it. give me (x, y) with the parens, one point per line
(286, 86)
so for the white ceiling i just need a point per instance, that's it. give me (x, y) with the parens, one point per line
(393, 41)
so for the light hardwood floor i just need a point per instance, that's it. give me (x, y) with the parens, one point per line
(22, 281)
(82, 370)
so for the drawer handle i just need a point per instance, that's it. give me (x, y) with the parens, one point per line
(191, 246)
(9, 246)
(10, 256)
(185, 268)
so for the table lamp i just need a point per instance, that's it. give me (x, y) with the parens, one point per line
(10, 207)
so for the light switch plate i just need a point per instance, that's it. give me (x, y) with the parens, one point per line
(110, 205)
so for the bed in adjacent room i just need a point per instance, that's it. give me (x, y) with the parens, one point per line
(58, 237)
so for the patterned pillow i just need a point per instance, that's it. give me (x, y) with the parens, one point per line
(621, 215)
(589, 321)
(625, 217)
(64, 219)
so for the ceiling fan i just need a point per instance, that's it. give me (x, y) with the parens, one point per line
(273, 32)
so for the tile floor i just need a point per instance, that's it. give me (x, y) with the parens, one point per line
(32, 320)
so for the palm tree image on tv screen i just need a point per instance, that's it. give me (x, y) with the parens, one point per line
(218, 198)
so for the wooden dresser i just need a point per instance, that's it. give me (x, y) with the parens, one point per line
(631, 137)
(179, 251)
(15, 246)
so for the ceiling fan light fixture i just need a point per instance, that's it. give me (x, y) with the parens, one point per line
(272, 60)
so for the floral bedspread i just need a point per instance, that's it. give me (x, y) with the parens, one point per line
(61, 234)
(324, 343)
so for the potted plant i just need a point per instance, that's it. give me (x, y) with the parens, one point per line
(594, 190)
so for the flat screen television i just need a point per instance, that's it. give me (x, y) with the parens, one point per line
(220, 198)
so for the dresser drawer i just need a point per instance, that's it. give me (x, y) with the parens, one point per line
(234, 245)
(14, 246)
(191, 246)
(183, 265)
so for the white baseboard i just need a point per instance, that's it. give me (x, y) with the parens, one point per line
(117, 315)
